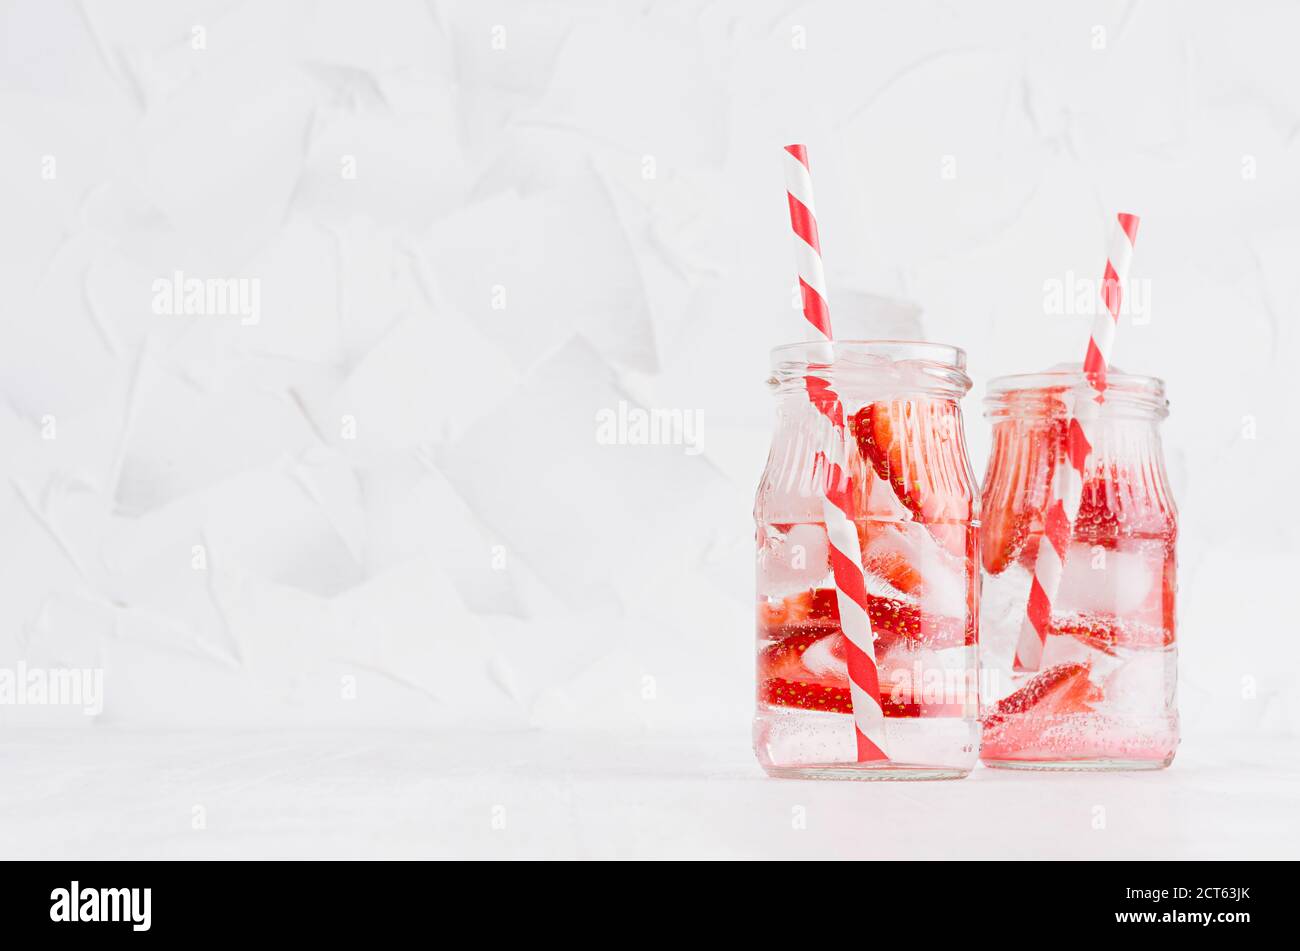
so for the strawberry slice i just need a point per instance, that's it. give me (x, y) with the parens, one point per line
(1003, 534)
(1064, 688)
(1016, 493)
(905, 441)
(888, 553)
(805, 696)
(1104, 633)
(1114, 506)
(873, 428)
(806, 610)
(893, 621)
(785, 659)
(1168, 596)
(784, 679)
(815, 613)
(895, 568)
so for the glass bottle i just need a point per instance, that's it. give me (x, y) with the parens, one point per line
(912, 495)
(1103, 693)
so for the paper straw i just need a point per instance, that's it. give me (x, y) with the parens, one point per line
(1067, 483)
(837, 505)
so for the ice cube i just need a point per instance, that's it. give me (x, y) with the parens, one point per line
(1064, 649)
(1002, 609)
(826, 658)
(1098, 580)
(795, 561)
(1141, 686)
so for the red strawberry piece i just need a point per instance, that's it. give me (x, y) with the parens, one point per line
(893, 620)
(1104, 633)
(1003, 533)
(915, 446)
(803, 611)
(784, 679)
(805, 696)
(1114, 505)
(1014, 500)
(1098, 521)
(904, 441)
(887, 552)
(1064, 688)
(1168, 596)
(894, 567)
(784, 659)
(815, 613)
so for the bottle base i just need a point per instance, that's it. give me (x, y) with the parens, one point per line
(1080, 765)
(806, 744)
(888, 772)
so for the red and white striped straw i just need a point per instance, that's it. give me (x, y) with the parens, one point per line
(845, 551)
(807, 246)
(1067, 484)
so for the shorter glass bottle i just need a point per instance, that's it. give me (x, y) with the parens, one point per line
(912, 494)
(1102, 695)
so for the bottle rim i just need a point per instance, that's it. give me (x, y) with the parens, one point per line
(897, 351)
(1042, 393)
(872, 369)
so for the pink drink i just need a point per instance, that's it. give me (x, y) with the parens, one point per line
(913, 500)
(1103, 696)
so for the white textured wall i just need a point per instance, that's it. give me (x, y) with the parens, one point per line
(556, 207)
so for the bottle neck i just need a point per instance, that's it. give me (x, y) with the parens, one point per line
(1064, 393)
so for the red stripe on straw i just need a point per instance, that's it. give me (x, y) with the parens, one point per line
(815, 309)
(1077, 447)
(805, 225)
(1130, 225)
(848, 577)
(862, 669)
(1056, 528)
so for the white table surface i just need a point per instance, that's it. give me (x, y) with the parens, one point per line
(100, 793)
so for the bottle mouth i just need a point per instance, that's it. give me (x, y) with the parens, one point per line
(895, 351)
(881, 368)
(1052, 393)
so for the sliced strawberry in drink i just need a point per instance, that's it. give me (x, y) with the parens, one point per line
(893, 621)
(1013, 506)
(1064, 688)
(1114, 505)
(1098, 521)
(812, 609)
(785, 658)
(915, 446)
(1003, 534)
(890, 555)
(906, 443)
(787, 677)
(1105, 633)
(895, 568)
(815, 613)
(806, 696)
(1168, 596)
(784, 679)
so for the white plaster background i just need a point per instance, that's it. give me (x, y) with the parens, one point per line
(623, 600)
